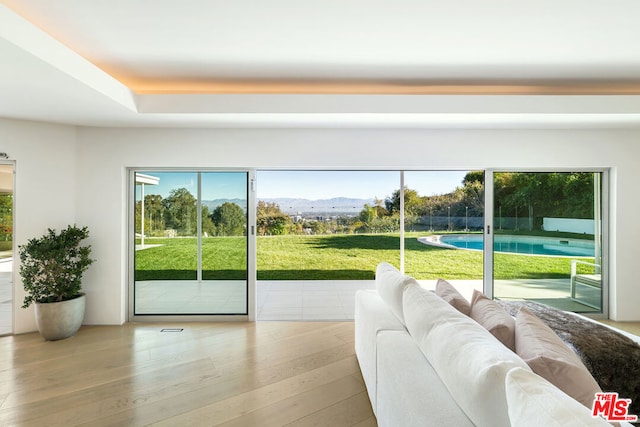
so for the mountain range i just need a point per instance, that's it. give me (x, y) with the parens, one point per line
(292, 206)
(212, 204)
(333, 206)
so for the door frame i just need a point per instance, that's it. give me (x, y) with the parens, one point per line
(251, 251)
(605, 207)
(14, 247)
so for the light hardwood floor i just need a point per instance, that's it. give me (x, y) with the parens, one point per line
(227, 374)
(631, 327)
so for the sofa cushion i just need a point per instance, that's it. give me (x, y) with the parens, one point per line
(372, 315)
(450, 294)
(534, 401)
(494, 318)
(389, 284)
(552, 359)
(410, 392)
(470, 361)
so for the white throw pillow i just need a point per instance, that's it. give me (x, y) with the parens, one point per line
(471, 362)
(534, 402)
(390, 284)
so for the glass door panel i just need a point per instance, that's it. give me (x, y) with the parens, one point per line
(224, 240)
(444, 217)
(184, 263)
(320, 237)
(326, 225)
(548, 238)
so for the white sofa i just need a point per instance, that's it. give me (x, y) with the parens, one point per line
(426, 364)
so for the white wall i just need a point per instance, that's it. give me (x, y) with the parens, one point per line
(104, 154)
(45, 162)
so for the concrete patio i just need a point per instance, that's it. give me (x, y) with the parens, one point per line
(300, 300)
(323, 300)
(276, 300)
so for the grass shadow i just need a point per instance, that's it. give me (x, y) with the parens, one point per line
(356, 241)
(297, 274)
(142, 275)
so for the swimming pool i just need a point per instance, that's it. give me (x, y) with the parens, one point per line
(530, 245)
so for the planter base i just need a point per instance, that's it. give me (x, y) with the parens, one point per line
(60, 320)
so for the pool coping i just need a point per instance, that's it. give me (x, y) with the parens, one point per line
(434, 240)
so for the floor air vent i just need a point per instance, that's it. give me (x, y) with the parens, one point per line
(171, 330)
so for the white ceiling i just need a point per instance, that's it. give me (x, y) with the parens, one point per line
(407, 63)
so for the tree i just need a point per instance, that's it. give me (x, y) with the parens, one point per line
(537, 195)
(376, 219)
(473, 177)
(316, 227)
(153, 213)
(229, 219)
(578, 193)
(271, 220)
(473, 194)
(208, 226)
(412, 202)
(379, 206)
(180, 212)
(368, 214)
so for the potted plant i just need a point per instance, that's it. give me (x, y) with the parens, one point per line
(51, 268)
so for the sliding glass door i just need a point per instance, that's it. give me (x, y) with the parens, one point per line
(548, 239)
(191, 245)
(321, 235)
(444, 211)
(530, 235)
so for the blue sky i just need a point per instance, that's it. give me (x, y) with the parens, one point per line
(317, 185)
(312, 185)
(215, 185)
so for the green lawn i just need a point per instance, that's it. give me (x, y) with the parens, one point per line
(176, 259)
(332, 257)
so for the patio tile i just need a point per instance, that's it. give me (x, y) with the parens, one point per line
(328, 300)
(316, 311)
(273, 300)
(317, 300)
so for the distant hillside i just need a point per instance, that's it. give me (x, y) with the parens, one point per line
(212, 204)
(336, 205)
(292, 206)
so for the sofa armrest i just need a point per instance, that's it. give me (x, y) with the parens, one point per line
(410, 392)
(371, 316)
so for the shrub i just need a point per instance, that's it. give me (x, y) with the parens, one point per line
(51, 266)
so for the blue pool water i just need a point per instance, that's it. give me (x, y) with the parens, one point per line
(524, 244)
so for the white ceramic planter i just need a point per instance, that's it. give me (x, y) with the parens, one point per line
(60, 320)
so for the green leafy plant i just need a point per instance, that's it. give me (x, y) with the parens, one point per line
(51, 266)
